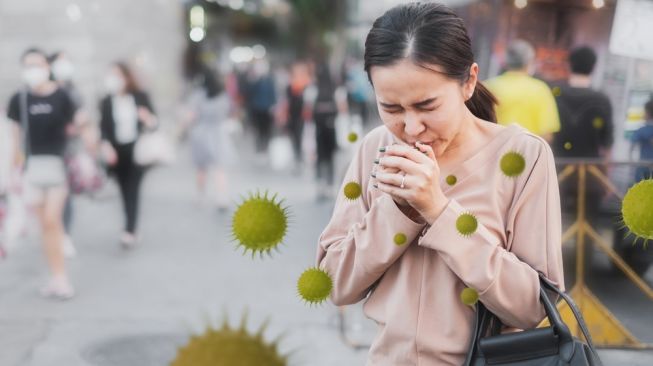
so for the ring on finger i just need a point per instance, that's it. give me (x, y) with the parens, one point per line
(403, 180)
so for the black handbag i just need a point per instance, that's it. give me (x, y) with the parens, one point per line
(553, 345)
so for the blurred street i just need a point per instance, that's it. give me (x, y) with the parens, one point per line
(136, 307)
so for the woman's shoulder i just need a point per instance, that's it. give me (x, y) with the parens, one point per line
(529, 145)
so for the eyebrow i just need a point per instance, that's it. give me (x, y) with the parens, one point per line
(418, 104)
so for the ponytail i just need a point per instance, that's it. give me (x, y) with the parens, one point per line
(482, 103)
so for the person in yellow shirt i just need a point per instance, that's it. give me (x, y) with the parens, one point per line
(524, 99)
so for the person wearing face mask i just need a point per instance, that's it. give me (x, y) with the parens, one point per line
(440, 199)
(43, 115)
(62, 73)
(125, 113)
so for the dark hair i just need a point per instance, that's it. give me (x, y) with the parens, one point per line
(428, 34)
(648, 108)
(131, 86)
(33, 50)
(211, 84)
(582, 60)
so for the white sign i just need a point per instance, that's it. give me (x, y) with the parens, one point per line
(632, 29)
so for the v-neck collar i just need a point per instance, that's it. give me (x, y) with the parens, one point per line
(485, 153)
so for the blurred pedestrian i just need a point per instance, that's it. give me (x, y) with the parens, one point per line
(62, 73)
(643, 138)
(325, 109)
(586, 128)
(126, 112)
(211, 145)
(262, 98)
(522, 98)
(43, 115)
(299, 81)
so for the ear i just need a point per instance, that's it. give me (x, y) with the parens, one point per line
(470, 85)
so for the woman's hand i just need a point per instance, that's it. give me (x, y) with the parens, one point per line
(108, 153)
(146, 117)
(419, 172)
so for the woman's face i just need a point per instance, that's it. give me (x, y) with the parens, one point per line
(418, 104)
(115, 81)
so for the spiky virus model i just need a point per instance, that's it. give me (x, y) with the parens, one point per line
(352, 137)
(230, 347)
(259, 223)
(352, 191)
(469, 296)
(637, 210)
(314, 286)
(466, 224)
(400, 239)
(512, 164)
(451, 180)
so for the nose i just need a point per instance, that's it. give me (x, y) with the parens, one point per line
(413, 125)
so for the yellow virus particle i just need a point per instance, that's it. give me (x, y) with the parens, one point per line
(352, 137)
(314, 286)
(259, 224)
(567, 145)
(352, 190)
(451, 180)
(512, 164)
(598, 123)
(556, 91)
(469, 296)
(466, 224)
(228, 347)
(400, 239)
(637, 210)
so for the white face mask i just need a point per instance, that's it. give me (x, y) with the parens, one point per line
(63, 70)
(114, 84)
(35, 76)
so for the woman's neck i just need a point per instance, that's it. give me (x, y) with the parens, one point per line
(44, 89)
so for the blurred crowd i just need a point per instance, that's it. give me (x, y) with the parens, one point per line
(298, 115)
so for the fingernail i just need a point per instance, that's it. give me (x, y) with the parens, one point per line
(376, 161)
(373, 175)
(382, 149)
(375, 185)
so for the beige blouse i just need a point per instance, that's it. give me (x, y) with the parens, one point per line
(413, 290)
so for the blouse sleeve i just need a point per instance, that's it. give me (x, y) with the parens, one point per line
(506, 274)
(358, 244)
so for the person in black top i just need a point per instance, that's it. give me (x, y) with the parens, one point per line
(586, 128)
(125, 113)
(43, 113)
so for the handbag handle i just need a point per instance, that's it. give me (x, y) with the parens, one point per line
(484, 316)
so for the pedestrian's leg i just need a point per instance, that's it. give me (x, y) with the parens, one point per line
(68, 247)
(51, 219)
(266, 129)
(221, 188)
(133, 197)
(200, 181)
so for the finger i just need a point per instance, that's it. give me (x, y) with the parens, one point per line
(408, 152)
(398, 162)
(426, 149)
(392, 190)
(393, 179)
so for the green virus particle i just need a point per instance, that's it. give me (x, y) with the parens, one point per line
(637, 210)
(598, 123)
(556, 91)
(352, 190)
(259, 224)
(314, 286)
(567, 145)
(469, 296)
(352, 137)
(451, 180)
(228, 347)
(400, 239)
(466, 224)
(512, 164)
